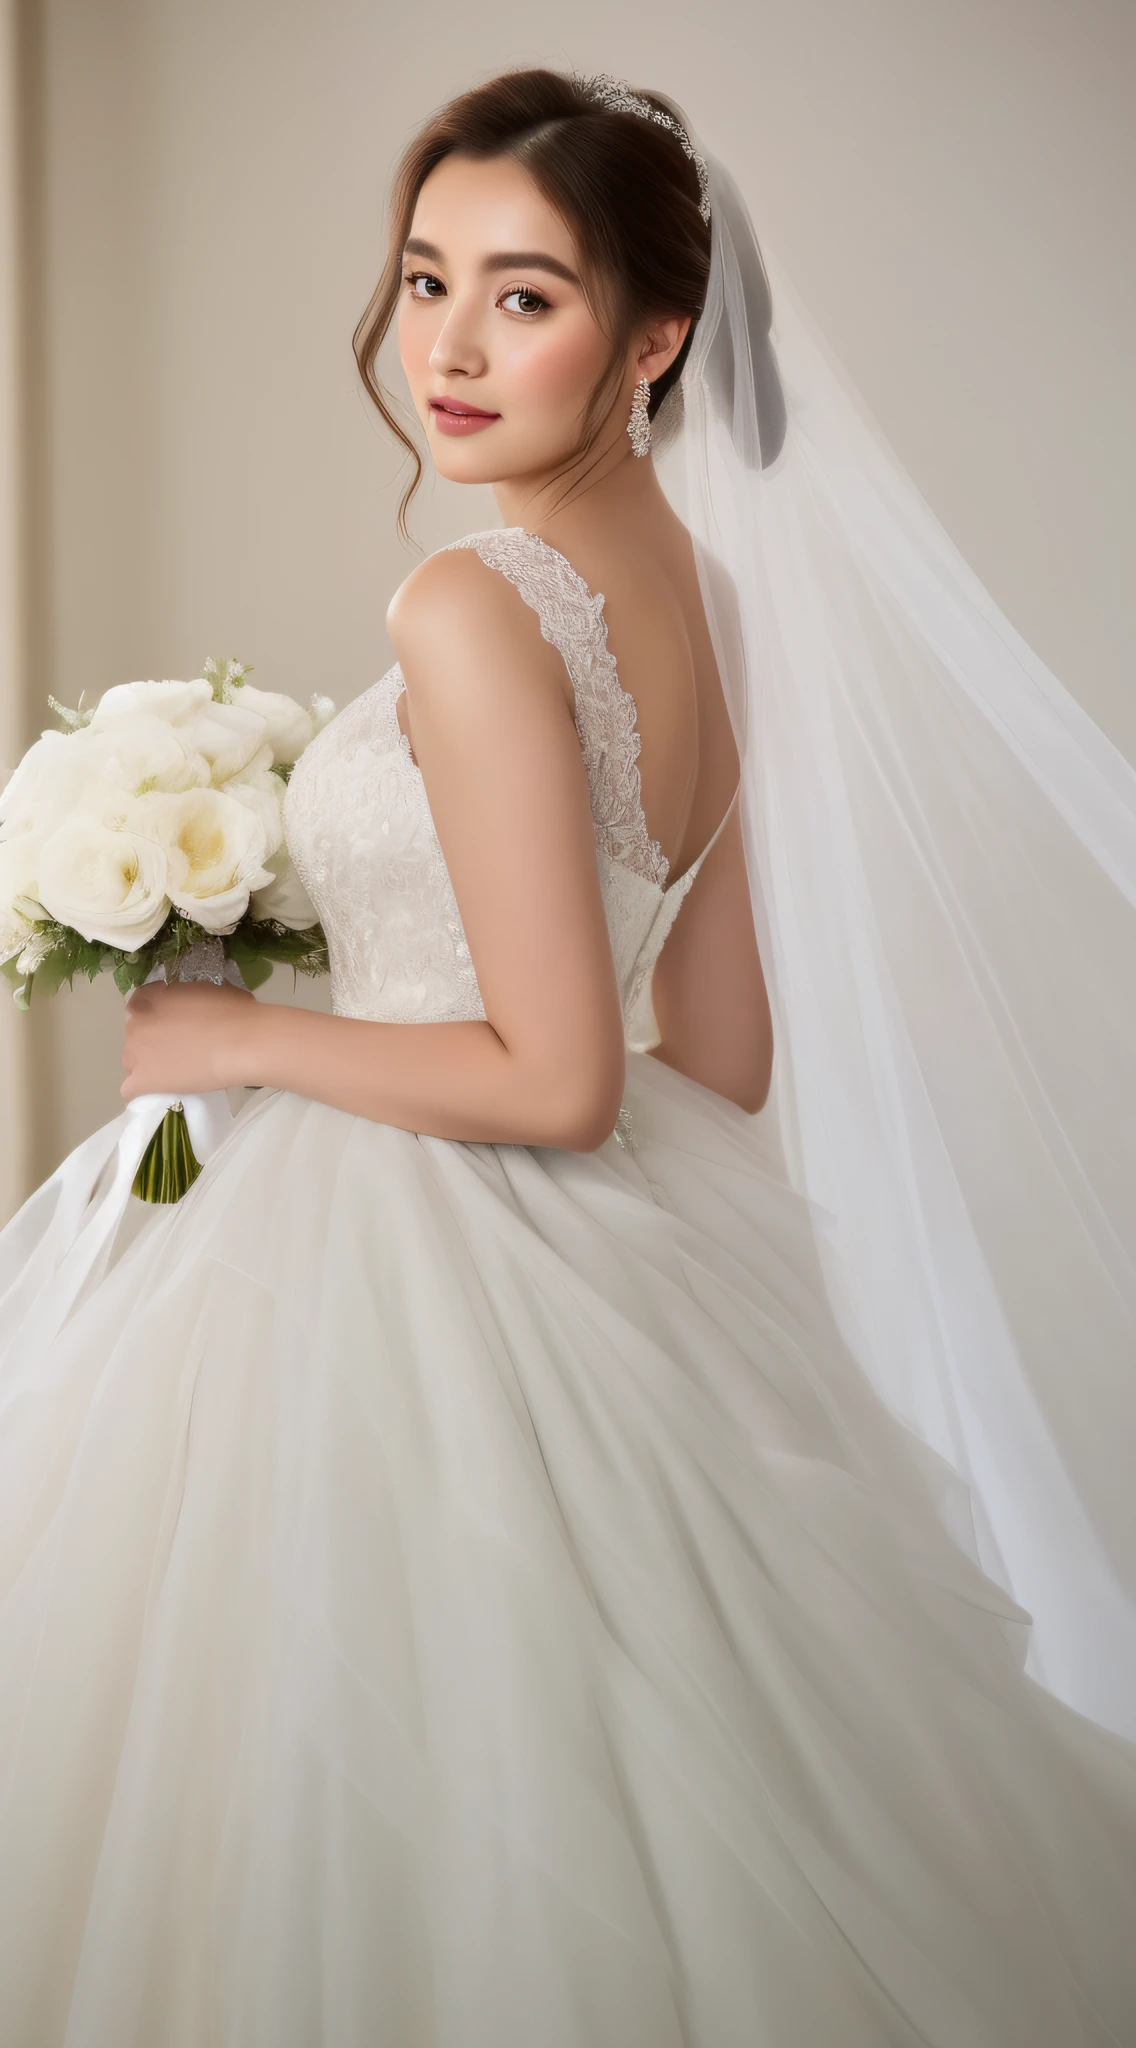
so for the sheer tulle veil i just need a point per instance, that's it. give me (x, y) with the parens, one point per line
(942, 857)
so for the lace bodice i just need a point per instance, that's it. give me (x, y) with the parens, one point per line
(359, 827)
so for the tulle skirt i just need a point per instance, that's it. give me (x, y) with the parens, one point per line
(465, 1596)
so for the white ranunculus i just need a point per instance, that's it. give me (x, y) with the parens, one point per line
(215, 849)
(284, 900)
(20, 908)
(263, 792)
(175, 703)
(290, 727)
(109, 885)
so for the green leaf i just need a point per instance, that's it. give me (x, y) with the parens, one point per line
(131, 971)
(59, 966)
(256, 946)
(255, 971)
(20, 983)
(255, 941)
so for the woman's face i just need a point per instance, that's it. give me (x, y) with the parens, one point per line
(500, 348)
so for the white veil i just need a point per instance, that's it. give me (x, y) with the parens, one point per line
(942, 852)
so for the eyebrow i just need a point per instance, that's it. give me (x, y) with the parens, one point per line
(501, 259)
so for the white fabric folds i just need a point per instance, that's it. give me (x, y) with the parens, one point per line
(943, 863)
(474, 1596)
(465, 1595)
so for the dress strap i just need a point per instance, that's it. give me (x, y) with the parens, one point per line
(715, 835)
(572, 620)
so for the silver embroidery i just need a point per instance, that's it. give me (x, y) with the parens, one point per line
(624, 1134)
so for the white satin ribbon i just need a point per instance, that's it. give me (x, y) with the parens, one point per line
(89, 1194)
(209, 1119)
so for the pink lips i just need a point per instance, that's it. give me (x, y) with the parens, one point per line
(452, 416)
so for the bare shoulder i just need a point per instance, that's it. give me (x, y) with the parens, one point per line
(455, 612)
(453, 587)
(458, 625)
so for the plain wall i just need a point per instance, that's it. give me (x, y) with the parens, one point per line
(15, 1122)
(202, 195)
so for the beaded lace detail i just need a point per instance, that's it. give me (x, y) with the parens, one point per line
(606, 719)
(360, 832)
(359, 828)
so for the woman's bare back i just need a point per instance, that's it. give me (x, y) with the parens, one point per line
(709, 991)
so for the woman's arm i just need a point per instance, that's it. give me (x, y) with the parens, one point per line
(709, 995)
(492, 729)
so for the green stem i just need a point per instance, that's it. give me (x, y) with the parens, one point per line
(168, 1166)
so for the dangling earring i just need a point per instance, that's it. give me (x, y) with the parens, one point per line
(639, 426)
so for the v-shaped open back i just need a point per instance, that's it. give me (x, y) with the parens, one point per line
(362, 836)
(572, 619)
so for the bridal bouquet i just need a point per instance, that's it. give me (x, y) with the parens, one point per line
(146, 840)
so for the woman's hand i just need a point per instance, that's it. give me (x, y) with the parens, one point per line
(188, 1039)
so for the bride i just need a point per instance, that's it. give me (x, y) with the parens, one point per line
(460, 1583)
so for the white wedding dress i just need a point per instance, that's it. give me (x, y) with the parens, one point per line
(466, 1595)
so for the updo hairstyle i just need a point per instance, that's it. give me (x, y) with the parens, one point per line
(626, 189)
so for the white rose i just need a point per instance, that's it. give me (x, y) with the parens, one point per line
(322, 711)
(289, 726)
(108, 885)
(229, 736)
(175, 703)
(20, 908)
(45, 787)
(233, 739)
(284, 900)
(263, 792)
(141, 752)
(215, 849)
(91, 770)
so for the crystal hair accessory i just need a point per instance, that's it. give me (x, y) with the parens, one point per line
(616, 95)
(639, 424)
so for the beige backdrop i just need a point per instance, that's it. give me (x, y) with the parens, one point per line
(191, 221)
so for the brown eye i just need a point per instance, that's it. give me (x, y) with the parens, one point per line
(527, 300)
(423, 285)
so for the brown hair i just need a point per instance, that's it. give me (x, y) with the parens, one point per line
(623, 184)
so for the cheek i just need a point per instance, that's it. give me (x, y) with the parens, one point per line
(557, 368)
(417, 333)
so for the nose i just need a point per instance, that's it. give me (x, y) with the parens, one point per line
(458, 351)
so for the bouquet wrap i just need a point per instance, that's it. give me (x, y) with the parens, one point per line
(171, 1162)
